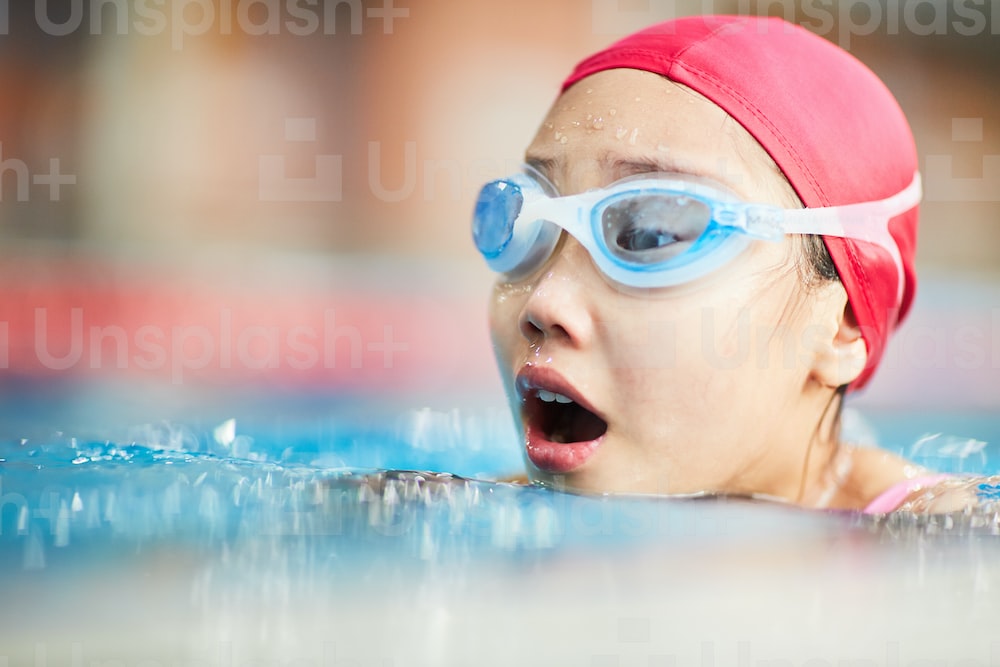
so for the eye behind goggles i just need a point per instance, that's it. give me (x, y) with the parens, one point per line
(657, 230)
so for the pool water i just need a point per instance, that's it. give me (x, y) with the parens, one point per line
(376, 537)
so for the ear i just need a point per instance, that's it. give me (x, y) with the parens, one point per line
(840, 359)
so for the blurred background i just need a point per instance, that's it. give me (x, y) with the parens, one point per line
(204, 198)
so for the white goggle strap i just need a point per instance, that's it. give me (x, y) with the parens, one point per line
(866, 221)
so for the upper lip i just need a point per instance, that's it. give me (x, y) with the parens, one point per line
(532, 378)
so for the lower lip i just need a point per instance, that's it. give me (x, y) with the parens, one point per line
(558, 457)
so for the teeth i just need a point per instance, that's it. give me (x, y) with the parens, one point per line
(546, 396)
(550, 396)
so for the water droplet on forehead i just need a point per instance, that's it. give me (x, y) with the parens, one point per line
(633, 136)
(613, 111)
(563, 139)
(597, 123)
(620, 132)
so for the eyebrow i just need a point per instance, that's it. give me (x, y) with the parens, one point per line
(632, 166)
(621, 166)
(544, 165)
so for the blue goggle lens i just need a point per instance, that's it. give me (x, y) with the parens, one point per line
(497, 208)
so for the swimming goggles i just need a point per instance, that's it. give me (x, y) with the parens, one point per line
(657, 230)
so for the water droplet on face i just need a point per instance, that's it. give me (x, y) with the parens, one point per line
(597, 123)
(548, 125)
(633, 137)
(620, 132)
(663, 148)
(613, 111)
(557, 135)
(590, 90)
(563, 139)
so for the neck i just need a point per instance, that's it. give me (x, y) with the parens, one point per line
(810, 461)
(826, 463)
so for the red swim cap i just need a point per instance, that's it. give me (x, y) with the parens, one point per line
(832, 127)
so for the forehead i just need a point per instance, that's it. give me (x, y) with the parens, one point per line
(621, 122)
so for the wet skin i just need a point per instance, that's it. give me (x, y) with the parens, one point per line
(719, 385)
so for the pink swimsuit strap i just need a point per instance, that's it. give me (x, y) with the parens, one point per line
(890, 499)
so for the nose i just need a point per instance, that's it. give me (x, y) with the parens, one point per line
(560, 305)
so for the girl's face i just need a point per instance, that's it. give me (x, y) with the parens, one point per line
(709, 386)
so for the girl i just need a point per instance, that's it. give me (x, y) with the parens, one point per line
(709, 245)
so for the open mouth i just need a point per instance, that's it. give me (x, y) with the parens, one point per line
(559, 419)
(562, 430)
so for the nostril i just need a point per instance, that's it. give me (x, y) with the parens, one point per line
(530, 328)
(534, 327)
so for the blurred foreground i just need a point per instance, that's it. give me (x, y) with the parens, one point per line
(222, 549)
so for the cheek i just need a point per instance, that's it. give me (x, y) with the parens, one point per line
(761, 343)
(504, 310)
(638, 335)
(678, 334)
(739, 341)
(698, 345)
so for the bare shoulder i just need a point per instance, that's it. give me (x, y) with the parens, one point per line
(872, 472)
(952, 494)
(920, 490)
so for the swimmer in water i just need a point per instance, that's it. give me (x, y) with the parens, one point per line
(709, 245)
